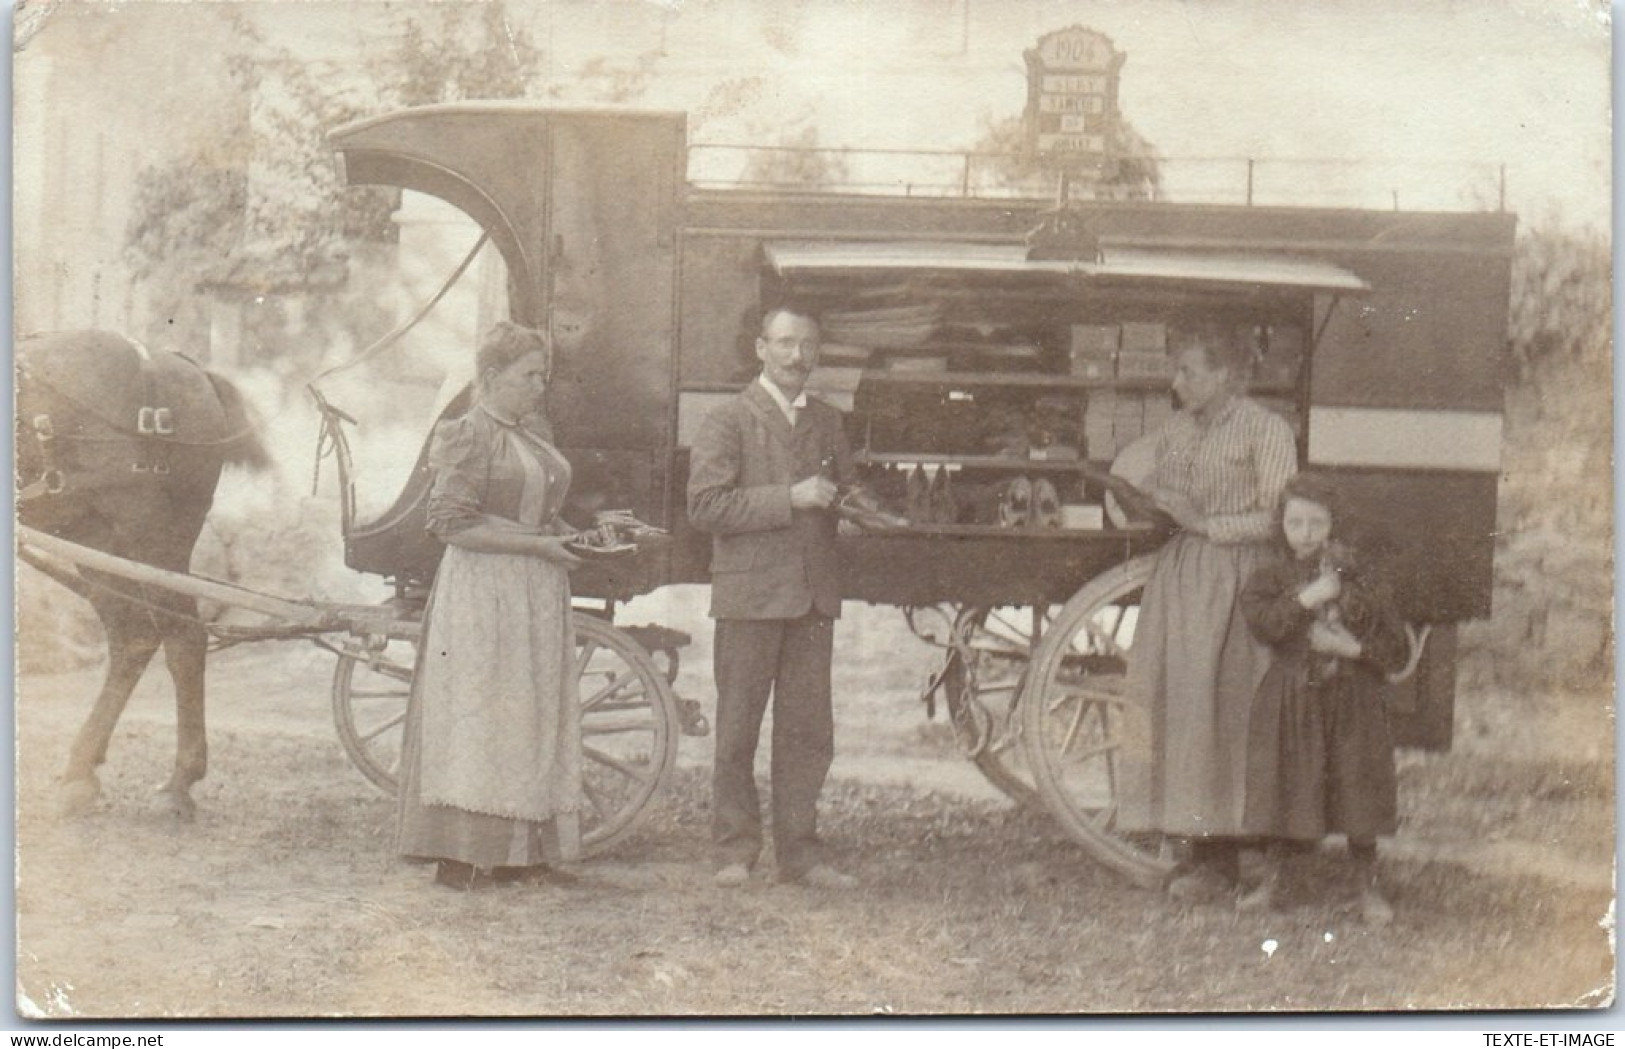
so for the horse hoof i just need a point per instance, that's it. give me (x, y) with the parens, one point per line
(179, 804)
(78, 797)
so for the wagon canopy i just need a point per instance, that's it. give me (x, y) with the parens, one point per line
(1117, 265)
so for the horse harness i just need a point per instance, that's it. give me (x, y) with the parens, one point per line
(153, 424)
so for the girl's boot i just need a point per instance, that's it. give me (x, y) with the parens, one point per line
(1375, 910)
(1261, 897)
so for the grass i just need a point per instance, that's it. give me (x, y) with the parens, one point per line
(285, 898)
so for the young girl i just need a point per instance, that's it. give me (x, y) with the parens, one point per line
(1320, 758)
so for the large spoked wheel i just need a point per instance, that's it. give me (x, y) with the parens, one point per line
(1083, 731)
(982, 679)
(628, 723)
(628, 731)
(370, 689)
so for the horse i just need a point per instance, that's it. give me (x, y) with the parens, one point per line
(120, 448)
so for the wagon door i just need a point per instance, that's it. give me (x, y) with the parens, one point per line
(582, 204)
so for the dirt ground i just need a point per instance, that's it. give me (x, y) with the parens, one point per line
(283, 899)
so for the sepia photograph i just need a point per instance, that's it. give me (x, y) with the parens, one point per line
(672, 509)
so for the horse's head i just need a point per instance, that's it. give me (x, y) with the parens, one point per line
(41, 487)
(64, 455)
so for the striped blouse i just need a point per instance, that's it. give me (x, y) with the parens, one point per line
(1233, 468)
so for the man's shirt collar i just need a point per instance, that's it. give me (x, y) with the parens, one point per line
(786, 405)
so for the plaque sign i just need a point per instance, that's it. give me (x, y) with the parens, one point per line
(1072, 112)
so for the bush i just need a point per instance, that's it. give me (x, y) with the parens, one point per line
(1552, 625)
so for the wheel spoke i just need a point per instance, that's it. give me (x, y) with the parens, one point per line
(630, 771)
(616, 685)
(1087, 695)
(601, 803)
(1072, 729)
(387, 726)
(589, 648)
(599, 729)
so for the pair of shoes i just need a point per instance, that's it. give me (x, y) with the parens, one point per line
(1046, 511)
(454, 874)
(918, 496)
(731, 876)
(822, 876)
(1200, 884)
(1016, 505)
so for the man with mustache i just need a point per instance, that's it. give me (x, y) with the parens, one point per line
(763, 480)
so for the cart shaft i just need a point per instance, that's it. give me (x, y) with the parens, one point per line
(302, 614)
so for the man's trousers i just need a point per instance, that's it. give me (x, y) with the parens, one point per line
(787, 660)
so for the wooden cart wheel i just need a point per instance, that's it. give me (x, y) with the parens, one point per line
(981, 681)
(628, 723)
(1081, 728)
(369, 707)
(628, 731)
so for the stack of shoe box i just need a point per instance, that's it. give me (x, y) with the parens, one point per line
(1094, 350)
(1099, 424)
(1143, 352)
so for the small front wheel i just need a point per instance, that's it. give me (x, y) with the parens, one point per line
(629, 723)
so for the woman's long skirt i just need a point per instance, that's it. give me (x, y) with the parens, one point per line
(1195, 667)
(491, 769)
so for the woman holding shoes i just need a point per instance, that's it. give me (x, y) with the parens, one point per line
(491, 770)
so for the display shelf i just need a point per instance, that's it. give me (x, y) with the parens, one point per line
(1023, 532)
(1036, 380)
(979, 462)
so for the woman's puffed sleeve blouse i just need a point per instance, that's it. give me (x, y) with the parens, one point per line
(460, 455)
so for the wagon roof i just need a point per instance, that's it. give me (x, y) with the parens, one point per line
(791, 258)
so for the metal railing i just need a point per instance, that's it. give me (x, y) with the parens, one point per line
(1411, 184)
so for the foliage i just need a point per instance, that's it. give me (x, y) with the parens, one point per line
(1003, 159)
(460, 58)
(1550, 624)
(606, 81)
(796, 160)
(1562, 301)
(264, 206)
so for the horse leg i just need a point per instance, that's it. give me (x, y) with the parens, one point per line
(185, 652)
(132, 639)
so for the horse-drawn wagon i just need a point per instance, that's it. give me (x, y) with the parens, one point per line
(998, 361)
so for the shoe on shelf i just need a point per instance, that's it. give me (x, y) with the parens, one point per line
(823, 876)
(944, 503)
(731, 876)
(1016, 504)
(917, 494)
(1046, 510)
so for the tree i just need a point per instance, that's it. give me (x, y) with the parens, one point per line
(796, 161)
(1004, 161)
(264, 204)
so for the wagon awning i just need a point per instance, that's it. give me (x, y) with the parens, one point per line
(1117, 265)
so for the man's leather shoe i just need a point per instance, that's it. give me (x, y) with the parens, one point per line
(454, 874)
